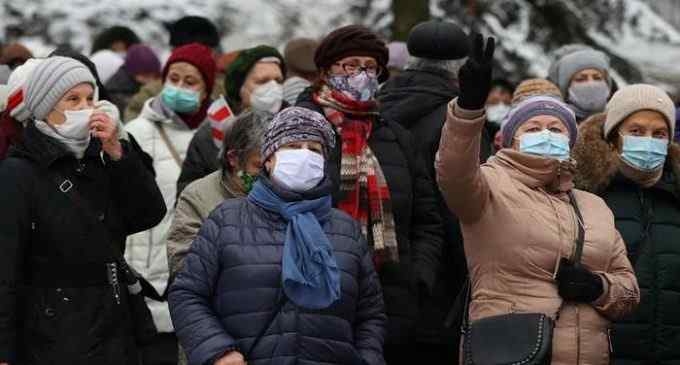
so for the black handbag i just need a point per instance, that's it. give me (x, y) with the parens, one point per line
(516, 338)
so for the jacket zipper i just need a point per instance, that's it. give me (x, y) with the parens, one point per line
(647, 242)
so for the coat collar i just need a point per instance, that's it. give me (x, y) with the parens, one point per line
(46, 150)
(598, 162)
(536, 172)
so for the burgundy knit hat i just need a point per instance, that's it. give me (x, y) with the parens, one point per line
(141, 59)
(199, 56)
(352, 40)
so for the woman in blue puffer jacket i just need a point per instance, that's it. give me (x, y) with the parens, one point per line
(280, 277)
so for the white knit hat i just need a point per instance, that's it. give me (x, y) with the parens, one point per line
(15, 92)
(634, 98)
(50, 80)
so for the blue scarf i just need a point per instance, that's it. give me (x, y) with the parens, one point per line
(310, 275)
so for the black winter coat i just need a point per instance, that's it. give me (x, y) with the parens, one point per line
(231, 282)
(56, 305)
(418, 100)
(649, 222)
(416, 218)
(202, 158)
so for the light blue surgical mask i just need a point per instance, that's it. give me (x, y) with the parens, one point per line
(545, 144)
(644, 153)
(179, 99)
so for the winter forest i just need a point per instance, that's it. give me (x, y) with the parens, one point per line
(642, 37)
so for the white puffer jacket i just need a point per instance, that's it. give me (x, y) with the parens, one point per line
(146, 251)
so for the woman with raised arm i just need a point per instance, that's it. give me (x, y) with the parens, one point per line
(542, 256)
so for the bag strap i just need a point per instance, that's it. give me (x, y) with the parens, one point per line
(168, 143)
(283, 298)
(580, 241)
(67, 187)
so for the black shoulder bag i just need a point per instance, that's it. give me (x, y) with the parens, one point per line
(516, 338)
(118, 273)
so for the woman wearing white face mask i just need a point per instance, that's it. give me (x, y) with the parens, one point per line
(253, 81)
(72, 192)
(535, 245)
(280, 276)
(582, 75)
(164, 129)
(626, 157)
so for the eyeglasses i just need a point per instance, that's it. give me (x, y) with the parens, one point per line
(353, 69)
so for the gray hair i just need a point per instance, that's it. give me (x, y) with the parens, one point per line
(245, 136)
(450, 66)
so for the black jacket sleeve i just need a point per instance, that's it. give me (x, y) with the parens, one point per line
(202, 158)
(15, 229)
(136, 192)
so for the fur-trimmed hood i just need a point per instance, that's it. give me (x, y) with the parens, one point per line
(598, 162)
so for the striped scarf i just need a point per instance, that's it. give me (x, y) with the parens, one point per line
(366, 194)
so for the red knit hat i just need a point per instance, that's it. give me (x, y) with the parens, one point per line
(199, 56)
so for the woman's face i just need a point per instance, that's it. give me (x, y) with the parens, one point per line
(79, 97)
(186, 76)
(537, 124)
(589, 74)
(260, 74)
(315, 147)
(644, 123)
(251, 165)
(352, 65)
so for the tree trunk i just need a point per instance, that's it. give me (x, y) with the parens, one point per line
(408, 13)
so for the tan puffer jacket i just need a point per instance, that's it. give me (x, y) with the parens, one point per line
(517, 223)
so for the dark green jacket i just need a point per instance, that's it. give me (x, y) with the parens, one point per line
(649, 222)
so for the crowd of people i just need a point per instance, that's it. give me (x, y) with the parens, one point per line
(345, 201)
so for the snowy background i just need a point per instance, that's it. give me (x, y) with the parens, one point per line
(641, 36)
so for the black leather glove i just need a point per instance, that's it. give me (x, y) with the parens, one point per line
(577, 284)
(475, 75)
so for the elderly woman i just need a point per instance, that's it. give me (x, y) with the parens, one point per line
(379, 178)
(280, 277)
(72, 192)
(582, 74)
(240, 160)
(164, 129)
(627, 158)
(534, 244)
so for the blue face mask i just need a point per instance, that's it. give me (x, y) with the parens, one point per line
(644, 153)
(179, 99)
(545, 144)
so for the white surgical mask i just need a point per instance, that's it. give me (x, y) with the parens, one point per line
(267, 97)
(298, 170)
(74, 133)
(76, 126)
(495, 113)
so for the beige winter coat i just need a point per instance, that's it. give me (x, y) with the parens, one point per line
(517, 223)
(195, 203)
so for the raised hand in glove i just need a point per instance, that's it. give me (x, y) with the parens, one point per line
(474, 77)
(577, 284)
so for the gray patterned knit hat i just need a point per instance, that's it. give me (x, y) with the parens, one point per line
(297, 124)
(50, 80)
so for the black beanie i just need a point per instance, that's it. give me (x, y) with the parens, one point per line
(194, 29)
(439, 40)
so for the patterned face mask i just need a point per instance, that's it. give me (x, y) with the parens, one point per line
(247, 180)
(359, 87)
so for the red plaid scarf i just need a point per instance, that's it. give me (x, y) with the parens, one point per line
(367, 196)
